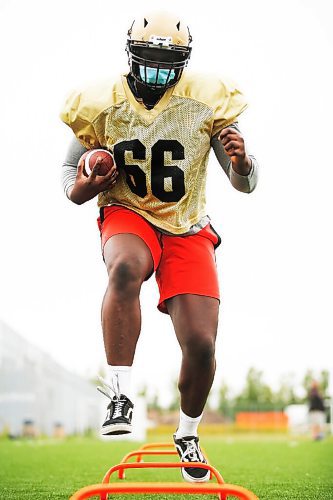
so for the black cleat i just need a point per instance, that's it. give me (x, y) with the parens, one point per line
(189, 451)
(119, 412)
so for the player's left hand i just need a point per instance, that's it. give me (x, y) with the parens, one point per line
(234, 147)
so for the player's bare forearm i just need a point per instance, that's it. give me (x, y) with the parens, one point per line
(79, 194)
(87, 187)
(234, 147)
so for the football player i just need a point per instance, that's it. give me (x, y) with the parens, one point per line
(160, 123)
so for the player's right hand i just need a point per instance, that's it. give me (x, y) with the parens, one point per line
(87, 187)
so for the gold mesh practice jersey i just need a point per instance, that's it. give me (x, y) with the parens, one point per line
(161, 153)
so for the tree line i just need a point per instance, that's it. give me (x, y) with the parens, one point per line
(255, 395)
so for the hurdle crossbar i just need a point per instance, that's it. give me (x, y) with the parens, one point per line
(159, 465)
(222, 490)
(159, 446)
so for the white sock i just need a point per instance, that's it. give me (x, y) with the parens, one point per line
(123, 374)
(188, 426)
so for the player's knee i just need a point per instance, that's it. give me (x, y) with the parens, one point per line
(202, 349)
(125, 277)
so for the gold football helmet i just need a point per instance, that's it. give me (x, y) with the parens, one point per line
(158, 49)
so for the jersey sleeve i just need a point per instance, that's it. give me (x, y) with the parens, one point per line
(230, 104)
(75, 114)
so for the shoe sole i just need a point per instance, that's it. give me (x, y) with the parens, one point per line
(116, 429)
(190, 479)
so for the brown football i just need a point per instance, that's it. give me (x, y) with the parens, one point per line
(90, 157)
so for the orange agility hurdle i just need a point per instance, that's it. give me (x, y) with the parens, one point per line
(150, 446)
(105, 489)
(158, 446)
(158, 465)
(139, 454)
(220, 488)
(150, 449)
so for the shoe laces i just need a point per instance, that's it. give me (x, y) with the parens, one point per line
(110, 391)
(192, 451)
(118, 408)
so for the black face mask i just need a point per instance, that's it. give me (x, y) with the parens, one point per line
(148, 96)
(156, 68)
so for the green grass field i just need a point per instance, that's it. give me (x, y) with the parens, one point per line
(275, 468)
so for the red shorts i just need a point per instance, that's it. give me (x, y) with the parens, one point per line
(183, 264)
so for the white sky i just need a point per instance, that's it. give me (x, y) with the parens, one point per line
(275, 262)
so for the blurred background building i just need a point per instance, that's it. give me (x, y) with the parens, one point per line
(40, 397)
